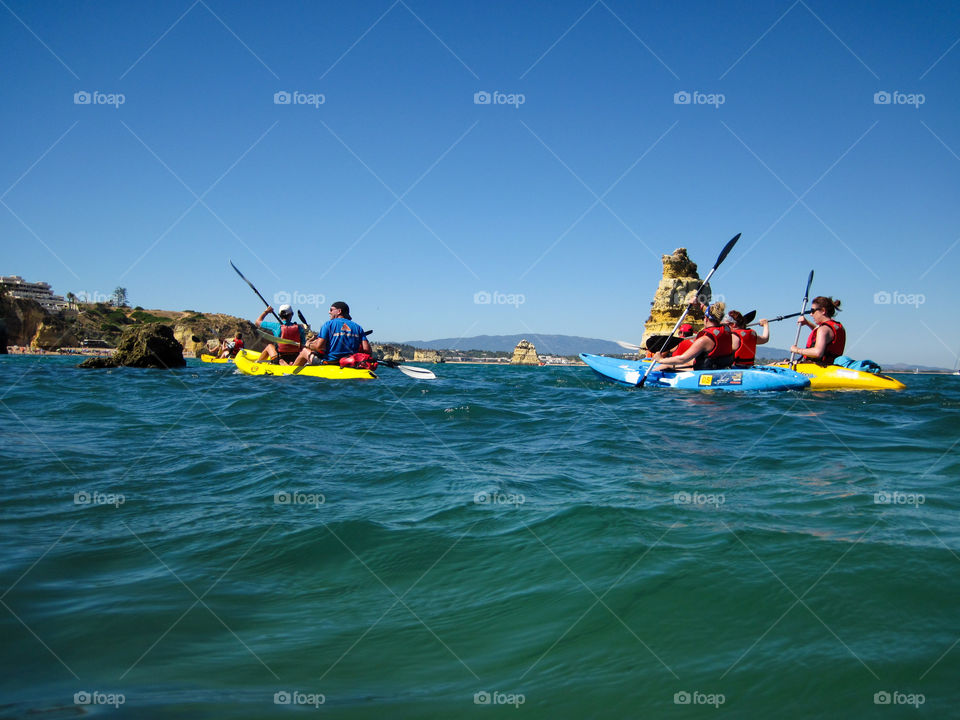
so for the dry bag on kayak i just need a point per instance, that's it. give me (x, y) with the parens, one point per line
(862, 365)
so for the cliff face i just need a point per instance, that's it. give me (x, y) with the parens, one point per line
(677, 287)
(427, 356)
(387, 352)
(23, 318)
(525, 354)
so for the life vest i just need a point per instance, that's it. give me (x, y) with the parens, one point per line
(835, 347)
(289, 332)
(235, 346)
(747, 351)
(359, 360)
(722, 354)
(681, 347)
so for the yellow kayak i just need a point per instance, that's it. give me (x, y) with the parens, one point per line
(247, 363)
(214, 359)
(834, 377)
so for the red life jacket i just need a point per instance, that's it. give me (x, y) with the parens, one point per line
(747, 351)
(289, 332)
(681, 347)
(722, 354)
(359, 360)
(236, 345)
(835, 347)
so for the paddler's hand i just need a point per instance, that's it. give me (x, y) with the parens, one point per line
(795, 349)
(657, 357)
(763, 322)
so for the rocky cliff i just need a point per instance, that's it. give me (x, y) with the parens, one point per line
(525, 354)
(427, 356)
(143, 346)
(676, 289)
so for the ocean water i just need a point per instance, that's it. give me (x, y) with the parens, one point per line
(503, 541)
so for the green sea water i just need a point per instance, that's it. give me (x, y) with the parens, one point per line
(503, 541)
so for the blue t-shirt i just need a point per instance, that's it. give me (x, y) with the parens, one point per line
(274, 327)
(343, 337)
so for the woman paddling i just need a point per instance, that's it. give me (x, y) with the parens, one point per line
(827, 341)
(745, 340)
(712, 349)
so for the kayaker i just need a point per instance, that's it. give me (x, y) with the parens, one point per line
(685, 332)
(745, 340)
(712, 348)
(286, 329)
(339, 337)
(828, 338)
(230, 348)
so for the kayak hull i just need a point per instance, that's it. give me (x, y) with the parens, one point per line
(247, 364)
(834, 377)
(630, 372)
(215, 360)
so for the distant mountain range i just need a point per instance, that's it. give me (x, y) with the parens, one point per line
(545, 344)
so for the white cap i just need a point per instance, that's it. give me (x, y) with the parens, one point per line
(285, 310)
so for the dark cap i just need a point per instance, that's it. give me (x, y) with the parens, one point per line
(343, 308)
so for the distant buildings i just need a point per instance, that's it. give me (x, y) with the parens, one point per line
(40, 292)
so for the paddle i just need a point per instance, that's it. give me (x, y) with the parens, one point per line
(784, 317)
(720, 258)
(255, 290)
(748, 317)
(806, 294)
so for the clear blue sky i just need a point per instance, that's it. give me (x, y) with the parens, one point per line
(402, 196)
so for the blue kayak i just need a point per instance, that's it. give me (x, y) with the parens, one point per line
(629, 372)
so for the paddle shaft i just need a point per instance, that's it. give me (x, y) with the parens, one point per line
(782, 317)
(262, 299)
(806, 294)
(720, 258)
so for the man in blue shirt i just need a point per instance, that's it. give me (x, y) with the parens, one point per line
(284, 353)
(339, 337)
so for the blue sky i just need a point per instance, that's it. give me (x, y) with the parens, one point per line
(403, 196)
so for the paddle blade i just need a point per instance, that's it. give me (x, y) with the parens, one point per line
(726, 250)
(806, 293)
(416, 372)
(628, 346)
(748, 318)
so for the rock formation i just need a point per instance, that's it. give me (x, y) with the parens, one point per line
(525, 354)
(145, 346)
(427, 356)
(387, 352)
(677, 286)
(23, 317)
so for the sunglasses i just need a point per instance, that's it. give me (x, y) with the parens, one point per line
(815, 310)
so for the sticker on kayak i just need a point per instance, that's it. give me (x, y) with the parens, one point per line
(725, 379)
